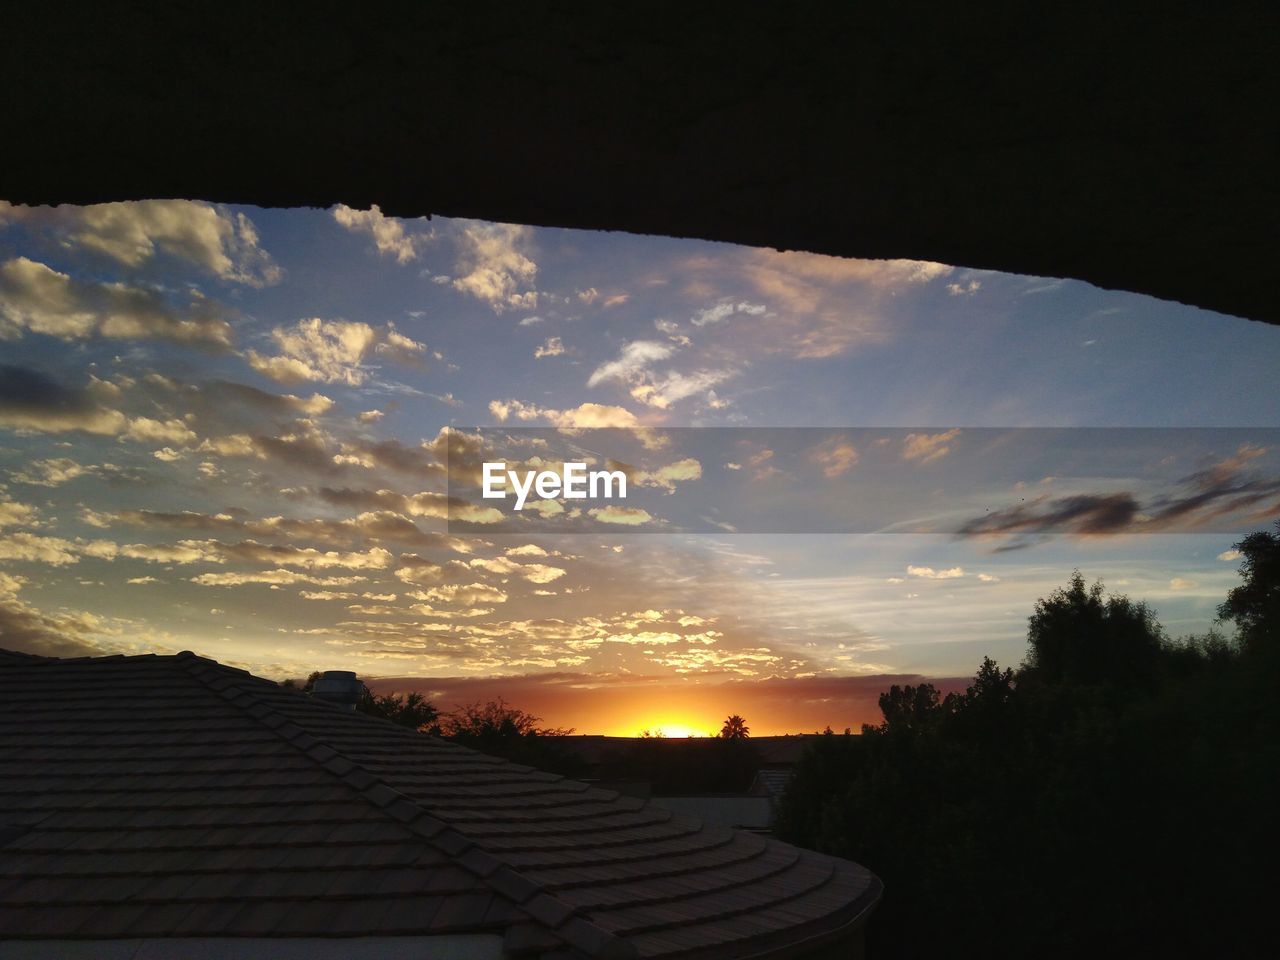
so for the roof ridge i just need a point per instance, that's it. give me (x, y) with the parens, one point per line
(542, 906)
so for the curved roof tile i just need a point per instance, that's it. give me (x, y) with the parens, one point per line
(171, 796)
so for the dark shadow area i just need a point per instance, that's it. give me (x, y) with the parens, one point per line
(1114, 795)
(1133, 146)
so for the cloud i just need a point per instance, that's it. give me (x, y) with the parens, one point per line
(823, 306)
(14, 514)
(25, 628)
(131, 233)
(272, 577)
(725, 309)
(327, 350)
(332, 351)
(1179, 583)
(988, 578)
(30, 400)
(632, 360)
(835, 456)
(1086, 514)
(1230, 555)
(964, 289)
(466, 594)
(664, 477)
(428, 504)
(494, 267)
(662, 392)
(551, 347)
(146, 430)
(632, 367)
(50, 473)
(387, 232)
(625, 516)
(32, 548)
(928, 573)
(925, 448)
(39, 299)
(585, 416)
(503, 566)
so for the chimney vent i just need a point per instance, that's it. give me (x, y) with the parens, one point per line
(338, 687)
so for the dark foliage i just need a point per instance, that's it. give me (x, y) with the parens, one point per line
(735, 728)
(499, 729)
(1114, 794)
(676, 766)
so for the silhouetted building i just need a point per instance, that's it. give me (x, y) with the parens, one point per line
(153, 807)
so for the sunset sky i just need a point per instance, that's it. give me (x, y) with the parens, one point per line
(225, 429)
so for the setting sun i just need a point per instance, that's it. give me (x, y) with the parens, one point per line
(675, 730)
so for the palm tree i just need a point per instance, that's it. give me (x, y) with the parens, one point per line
(735, 728)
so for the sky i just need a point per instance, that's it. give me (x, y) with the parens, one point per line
(255, 434)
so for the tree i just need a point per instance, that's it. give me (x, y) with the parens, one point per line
(411, 710)
(494, 722)
(735, 728)
(1077, 635)
(1255, 604)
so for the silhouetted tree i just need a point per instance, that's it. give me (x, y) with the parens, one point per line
(735, 728)
(1080, 636)
(1057, 810)
(500, 729)
(411, 709)
(1255, 604)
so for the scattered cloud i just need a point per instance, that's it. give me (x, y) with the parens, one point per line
(131, 233)
(551, 347)
(388, 233)
(925, 448)
(38, 299)
(31, 400)
(493, 265)
(331, 351)
(835, 457)
(725, 309)
(928, 573)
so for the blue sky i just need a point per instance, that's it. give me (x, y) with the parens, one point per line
(222, 429)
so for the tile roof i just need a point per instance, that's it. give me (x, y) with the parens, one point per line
(171, 796)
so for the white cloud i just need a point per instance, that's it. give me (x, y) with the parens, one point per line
(585, 416)
(925, 448)
(14, 514)
(835, 457)
(387, 232)
(626, 516)
(964, 289)
(725, 309)
(466, 594)
(131, 233)
(551, 347)
(39, 299)
(493, 266)
(928, 573)
(1229, 555)
(1179, 583)
(50, 473)
(146, 430)
(331, 351)
(632, 360)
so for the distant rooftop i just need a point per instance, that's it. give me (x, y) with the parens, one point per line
(149, 798)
